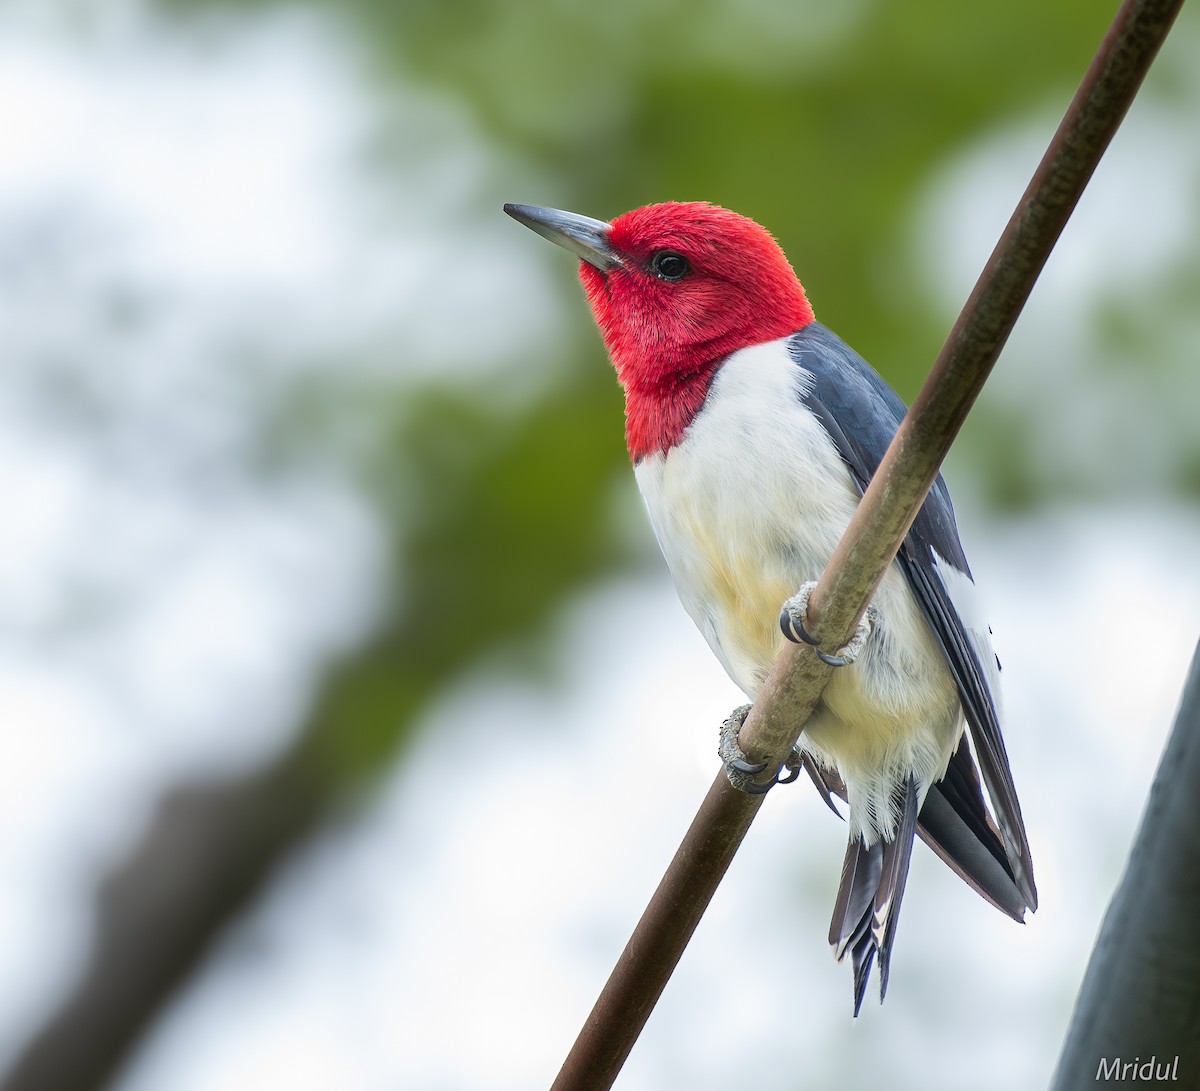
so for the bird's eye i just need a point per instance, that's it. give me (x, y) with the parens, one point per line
(668, 265)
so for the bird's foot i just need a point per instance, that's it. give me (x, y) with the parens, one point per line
(794, 614)
(741, 773)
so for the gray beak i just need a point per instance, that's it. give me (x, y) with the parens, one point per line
(580, 234)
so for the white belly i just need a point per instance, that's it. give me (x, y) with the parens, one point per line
(749, 506)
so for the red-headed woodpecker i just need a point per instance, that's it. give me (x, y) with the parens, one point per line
(753, 432)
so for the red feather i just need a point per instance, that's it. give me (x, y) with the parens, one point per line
(667, 338)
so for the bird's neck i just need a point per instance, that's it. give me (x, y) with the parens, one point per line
(664, 392)
(659, 413)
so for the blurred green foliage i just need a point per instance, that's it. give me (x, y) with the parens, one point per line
(502, 520)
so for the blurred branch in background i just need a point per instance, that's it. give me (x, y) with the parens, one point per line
(1140, 998)
(495, 558)
(204, 855)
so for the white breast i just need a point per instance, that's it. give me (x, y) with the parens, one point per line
(750, 505)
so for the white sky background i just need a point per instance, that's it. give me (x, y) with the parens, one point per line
(141, 217)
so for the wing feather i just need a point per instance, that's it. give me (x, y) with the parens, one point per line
(861, 412)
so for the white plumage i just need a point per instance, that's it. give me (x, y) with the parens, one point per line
(749, 506)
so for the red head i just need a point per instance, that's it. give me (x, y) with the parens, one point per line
(675, 289)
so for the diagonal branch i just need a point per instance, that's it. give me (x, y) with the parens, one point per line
(874, 535)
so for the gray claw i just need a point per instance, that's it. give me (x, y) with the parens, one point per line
(740, 771)
(794, 613)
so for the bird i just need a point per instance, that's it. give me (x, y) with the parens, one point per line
(753, 431)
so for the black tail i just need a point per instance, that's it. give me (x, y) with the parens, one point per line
(955, 823)
(867, 909)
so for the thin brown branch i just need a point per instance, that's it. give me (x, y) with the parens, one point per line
(874, 535)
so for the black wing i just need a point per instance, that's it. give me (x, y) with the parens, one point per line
(861, 413)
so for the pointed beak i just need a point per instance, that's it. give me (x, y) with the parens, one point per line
(580, 234)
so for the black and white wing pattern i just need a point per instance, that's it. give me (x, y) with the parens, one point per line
(861, 413)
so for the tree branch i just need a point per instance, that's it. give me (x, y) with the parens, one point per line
(1140, 997)
(875, 533)
(209, 848)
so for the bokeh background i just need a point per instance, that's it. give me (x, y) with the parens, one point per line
(347, 716)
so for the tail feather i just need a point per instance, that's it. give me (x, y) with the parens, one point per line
(867, 908)
(953, 821)
(853, 912)
(862, 955)
(861, 872)
(897, 855)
